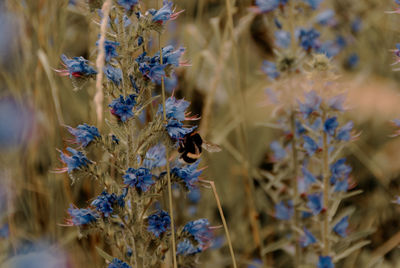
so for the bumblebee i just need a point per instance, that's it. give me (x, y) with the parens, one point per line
(190, 147)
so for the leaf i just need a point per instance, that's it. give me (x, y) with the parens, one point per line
(104, 254)
(350, 250)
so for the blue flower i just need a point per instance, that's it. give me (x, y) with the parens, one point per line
(326, 17)
(339, 170)
(175, 108)
(279, 152)
(114, 74)
(171, 83)
(316, 124)
(165, 13)
(310, 145)
(200, 231)
(189, 174)
(155, 73)
(356, 25)
(176, 130)
(269, 68)
(283, 212)
(315, 203)
(122, 108)
(269, 5)
(336, 103)
(155, 157)
(77, 67)
(128, 4)
(352, 60)
(309, 39)
(186, 248)
(140, 178)
(299, 128)
(313, 3)
(344, 133)
(4, 231)
(104, 202)
(311, 103)
(84, 134)
(341, 185)
(309, 178)
(110, 49)
(194, 195)
(159, 223)
(75, 161)
(81, 216)
(330, 125)
(170, 56)
(341, 227)
(307, 239)
(282, 39)
(325, 262)
(116, 263)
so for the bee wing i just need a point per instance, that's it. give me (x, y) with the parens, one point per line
(210, 147)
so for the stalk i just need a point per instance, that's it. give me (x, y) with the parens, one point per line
(325, 231)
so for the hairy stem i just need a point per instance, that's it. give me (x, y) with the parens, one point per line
(325, 152)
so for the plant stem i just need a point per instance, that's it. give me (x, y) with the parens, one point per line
(171, 208)
(325, 231)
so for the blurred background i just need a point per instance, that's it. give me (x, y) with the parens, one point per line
(226, 87)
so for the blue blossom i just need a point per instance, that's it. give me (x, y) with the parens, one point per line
(309, 39)
(113, 74)
(341, 227)
(344, 133)
(356, 25)
(279, 152)
(176, 130)
(282, 39)
(330, 125)
(339, 170)
(81, 216)
(140, 178)
(159, 223)
(316, 124)
(307, 239)
(315, 203)
(269, 5)
(329, 48)
(311, 103)
(189, 174)
(77, 67)
(336, 102)
(4, 231)
(156, 73)
(165, 13)
(155, 157)
(84, 134)
(278, 24)
(325, 262)
(269, 68)
(110, 49)
(104, 202)
(186, 248)
(75, 161)
(116, 263)
(194, 195)
(175, 108)
(341, 185)
(128, 4)
(200, 231)
(171, 83)
(122, 108)
(283, 212)
(352, 60)
(300, 130)
(170, 56)
(310, 145)
(326, 17)
(314, 4)
(309, 178)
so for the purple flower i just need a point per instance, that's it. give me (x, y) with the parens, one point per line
(299, 128)
(128, 4)
(122, 108)
(176, 130)
(341, 227)
(269, 68)
(314, 4)
(344, 133)
(336, 102)
(326, 17)
(309, 178)
(325, 262)
(116, 263)
(170, 83)
(186, 248)
(155, 73)
(170, 56)
(282, 39)
(339, 170)
(81, 216)
(330, 125)
(110, 49)
(307, 239)
(84, 134)
(140, 178)
(113, 74)
(105, 202)
(159, 223)
(76, 67)
(189, 174)
(155, 157)
(165, 13)
(175, 108)
(311, 103)
(310, 145)
(200, 231)
(75, 161)
(309, 39)
(279, 152)
(315, 203)
(341, 185)
(283, 212)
